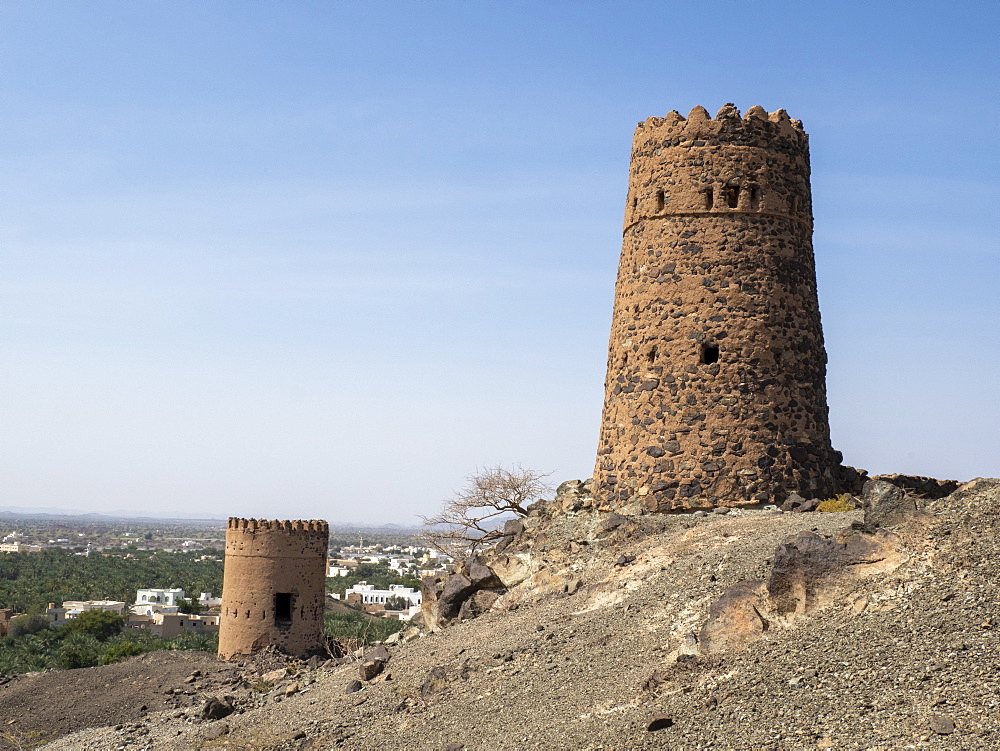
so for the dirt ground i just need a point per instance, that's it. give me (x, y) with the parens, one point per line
(43, 706)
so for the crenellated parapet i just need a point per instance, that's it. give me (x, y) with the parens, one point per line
(278, 525)
(757, 163)
(775, 130)
(284, 538)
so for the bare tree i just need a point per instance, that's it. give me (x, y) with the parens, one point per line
(468, 521)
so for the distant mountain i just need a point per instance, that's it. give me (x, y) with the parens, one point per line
(48, 512)
(118, 515)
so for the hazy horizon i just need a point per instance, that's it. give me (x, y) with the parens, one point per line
(311, 260)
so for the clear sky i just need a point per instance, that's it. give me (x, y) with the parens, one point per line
(325, 259)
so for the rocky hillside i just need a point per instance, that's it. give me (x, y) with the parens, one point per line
(867, 629)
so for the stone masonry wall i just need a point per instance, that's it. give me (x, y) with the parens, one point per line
(716, 385)
(274, 587)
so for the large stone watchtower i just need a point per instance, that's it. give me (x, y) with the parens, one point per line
(716, 385)
(274, 587)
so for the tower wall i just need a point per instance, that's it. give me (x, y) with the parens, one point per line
(716, 383)
(274, 587)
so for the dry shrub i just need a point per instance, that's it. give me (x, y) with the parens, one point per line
(842, 502)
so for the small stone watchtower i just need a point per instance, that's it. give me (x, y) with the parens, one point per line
(716, 385)
(274, 587)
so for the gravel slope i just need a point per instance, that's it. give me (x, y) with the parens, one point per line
(906, 659)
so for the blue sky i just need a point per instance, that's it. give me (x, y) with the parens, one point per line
(318, 259)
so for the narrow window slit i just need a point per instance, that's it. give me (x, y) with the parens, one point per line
(659, 200)
(652, 354)
(709, 198)
(732, 196)
(754, 198)
(709, 354)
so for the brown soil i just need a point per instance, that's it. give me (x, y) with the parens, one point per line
(43, 706)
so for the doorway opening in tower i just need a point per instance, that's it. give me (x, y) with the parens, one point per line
(709, 354)
(282, 608)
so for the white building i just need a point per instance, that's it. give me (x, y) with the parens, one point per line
(401, 564)
(208, 600)
(366, 594)
(72, 608)
(169, 625)
(149, 601)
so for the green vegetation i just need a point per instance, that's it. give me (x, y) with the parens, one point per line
(28, 581)
(396, 603)
(377, 574)
(94, 638)
(96, 624)
(842, 502)
(27, 624)
(360, 628)
(191, 606)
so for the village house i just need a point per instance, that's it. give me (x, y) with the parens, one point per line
(368, 598)
(70, 609)
(341, 567)
(169, 625)
(208, 600)
(150, 601)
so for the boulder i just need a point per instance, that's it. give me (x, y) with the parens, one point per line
(792, 502)
(926, 488)
(942, 724)
(734, 620)
(807, 573)
(482, 576)
(435, 681)
(369, 669)
(574, 495)
(613, 522)
(512, 569)
(483, 599)
(806, 567)
(513, 527)
(457, 589)
(885, 505)
(216, 708)
(795, 502)
(454, 597)
(274, 676)
(378, 653)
